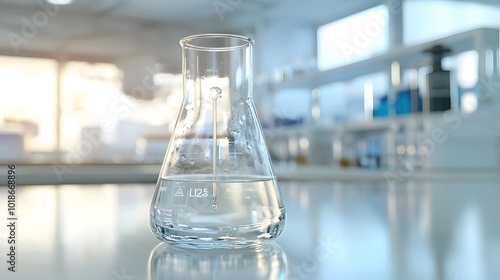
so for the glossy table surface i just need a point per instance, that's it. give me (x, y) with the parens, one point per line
(441, 230)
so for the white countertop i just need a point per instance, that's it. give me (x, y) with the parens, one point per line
(443, 230)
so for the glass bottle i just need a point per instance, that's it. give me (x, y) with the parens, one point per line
(216, 187)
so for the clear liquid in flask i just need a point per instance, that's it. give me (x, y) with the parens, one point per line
(248, 211)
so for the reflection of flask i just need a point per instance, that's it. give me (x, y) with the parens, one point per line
(216, 187)
(267, 262)
(438, 81)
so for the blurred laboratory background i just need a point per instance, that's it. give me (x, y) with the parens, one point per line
(358, 87)
(380, 116)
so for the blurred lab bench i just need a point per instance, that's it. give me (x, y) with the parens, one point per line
(55, 174)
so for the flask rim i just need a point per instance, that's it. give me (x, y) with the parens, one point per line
(242, 42)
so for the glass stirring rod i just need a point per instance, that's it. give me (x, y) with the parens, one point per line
(215, 93)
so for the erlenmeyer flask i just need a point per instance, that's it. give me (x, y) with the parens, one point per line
(216, 187)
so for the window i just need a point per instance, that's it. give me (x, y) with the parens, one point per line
(353, 38)
(429, 20)
(28, 100)
(87, 92)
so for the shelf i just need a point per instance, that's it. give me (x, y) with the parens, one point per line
(329, 174)
(407, 56)
(376, 125)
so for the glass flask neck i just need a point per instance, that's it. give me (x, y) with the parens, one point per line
(216, 42)
(219, 63)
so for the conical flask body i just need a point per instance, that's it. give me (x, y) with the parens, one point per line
(216, 187)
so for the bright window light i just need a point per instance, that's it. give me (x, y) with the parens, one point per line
(28, 100)
(353, 38)
(60, 2)
(428, 20)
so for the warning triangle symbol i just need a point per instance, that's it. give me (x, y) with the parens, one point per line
(179, 192)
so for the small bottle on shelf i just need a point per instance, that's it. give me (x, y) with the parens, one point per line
(438, 81)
